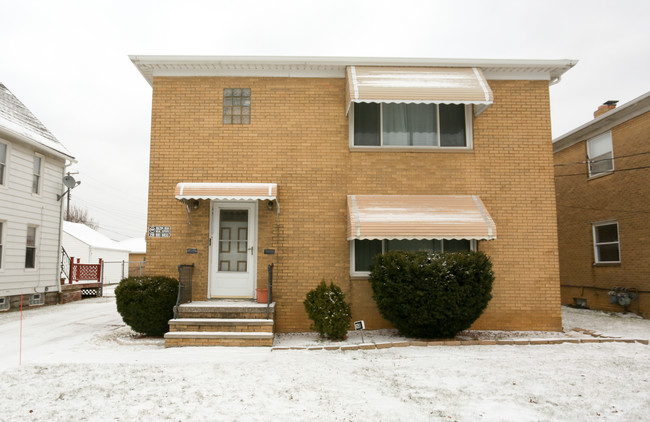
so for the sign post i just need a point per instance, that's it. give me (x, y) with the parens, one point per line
(360, 326)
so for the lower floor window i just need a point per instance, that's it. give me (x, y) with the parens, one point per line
(30, 251)
(606, 244)
(363, 251)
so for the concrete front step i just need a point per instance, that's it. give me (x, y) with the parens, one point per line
(226, 310)
(221, 324)
(219, 338)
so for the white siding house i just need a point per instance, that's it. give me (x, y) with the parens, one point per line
(32, 165)
(89, 246)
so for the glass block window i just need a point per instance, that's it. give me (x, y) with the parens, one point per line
(237, 106)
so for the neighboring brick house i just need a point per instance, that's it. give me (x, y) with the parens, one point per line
(603, 191)
(32, 165)
(329, 161)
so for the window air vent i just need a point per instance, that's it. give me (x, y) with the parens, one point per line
(4, 303)
(36, 299)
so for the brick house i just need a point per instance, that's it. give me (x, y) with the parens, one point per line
(329, 161)
(602, 196)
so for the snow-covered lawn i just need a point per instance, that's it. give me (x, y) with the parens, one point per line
(79, 362)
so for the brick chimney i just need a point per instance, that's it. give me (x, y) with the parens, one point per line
(607, 105)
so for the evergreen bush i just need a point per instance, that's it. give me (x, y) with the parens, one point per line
(146, 304)
(327, 308)
(431, 295)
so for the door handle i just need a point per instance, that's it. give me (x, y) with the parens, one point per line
(251, 249)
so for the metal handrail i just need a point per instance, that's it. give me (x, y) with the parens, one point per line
(65, 260)
(184, 285)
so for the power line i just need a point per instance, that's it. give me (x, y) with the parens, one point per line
(604, 159)
(602, 209)
(614, 171)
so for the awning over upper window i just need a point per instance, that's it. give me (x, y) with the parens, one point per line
(424, 85)
(223, 191)
(419, 217)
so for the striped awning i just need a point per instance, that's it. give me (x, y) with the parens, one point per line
(419, 217)
(424, 85)
(227, 191)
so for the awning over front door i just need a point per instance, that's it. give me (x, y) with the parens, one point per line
(227, 191)
(419, 217)
(421, 85)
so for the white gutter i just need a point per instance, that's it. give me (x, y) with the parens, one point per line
(334, 67)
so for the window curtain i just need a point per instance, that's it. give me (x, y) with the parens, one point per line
(409, 124)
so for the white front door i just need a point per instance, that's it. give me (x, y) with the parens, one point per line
(233, 251)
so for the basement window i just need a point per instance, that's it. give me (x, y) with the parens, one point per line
(236, 106)
(36, 299)
(4, 304)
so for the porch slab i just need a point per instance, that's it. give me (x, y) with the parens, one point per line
(218, 334)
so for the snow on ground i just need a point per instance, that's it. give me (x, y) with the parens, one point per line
(79, 362)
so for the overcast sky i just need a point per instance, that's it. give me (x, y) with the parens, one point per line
(67, 61)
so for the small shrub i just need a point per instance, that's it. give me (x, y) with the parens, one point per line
(326, 306)
(431, 295)
(147, 303)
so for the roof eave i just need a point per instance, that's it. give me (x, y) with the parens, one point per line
(44, 148)
(551, 70)
(607, 121)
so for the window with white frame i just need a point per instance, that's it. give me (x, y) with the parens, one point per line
(36, 178)
(363, 251)
(411, 125)
(606, 242)
(3, 163)
(600, 154)
(30, 250)
(2, 242)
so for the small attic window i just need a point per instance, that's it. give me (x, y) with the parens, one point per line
(236, 106)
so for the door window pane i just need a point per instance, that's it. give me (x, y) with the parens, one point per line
(233, 240)
(366, 124)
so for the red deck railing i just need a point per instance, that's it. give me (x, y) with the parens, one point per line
(83, 272)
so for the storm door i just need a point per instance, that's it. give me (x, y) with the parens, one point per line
(233, 249)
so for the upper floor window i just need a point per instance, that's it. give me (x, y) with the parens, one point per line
(36, 177)
(3, 162)
(30, 251)
(2, 226)
(600, 154)
(606, 244)
(363, 251)
(237, 106)
(411, 125)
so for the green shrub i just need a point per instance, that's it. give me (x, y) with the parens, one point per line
(431, 295)
(326, 306)
(147, 303)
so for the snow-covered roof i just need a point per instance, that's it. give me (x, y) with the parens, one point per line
(91, 237)
(17, 121)
(135, 244)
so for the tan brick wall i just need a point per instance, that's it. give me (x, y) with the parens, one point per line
(298, 138)
(621, 196)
